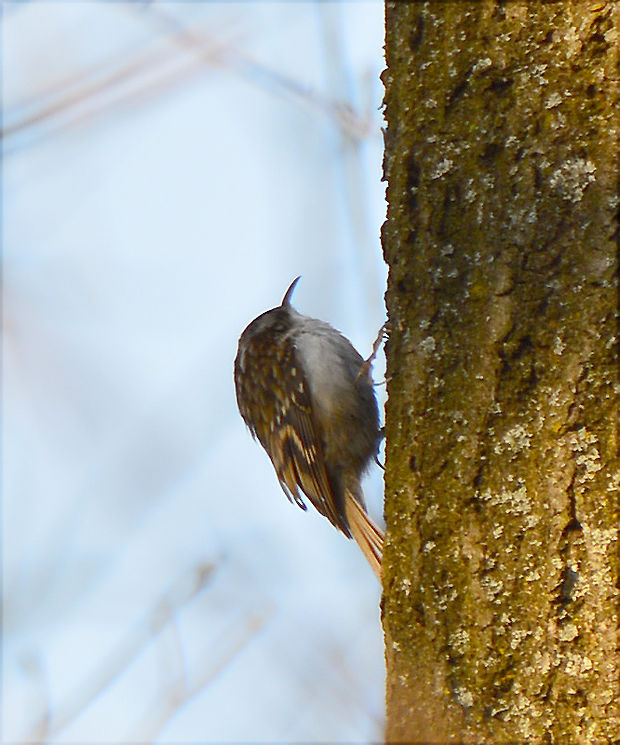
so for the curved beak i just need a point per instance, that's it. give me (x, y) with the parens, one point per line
(286, 300)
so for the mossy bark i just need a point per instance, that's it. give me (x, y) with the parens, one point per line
(500, 568)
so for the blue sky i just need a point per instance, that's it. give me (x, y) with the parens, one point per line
(168, 169)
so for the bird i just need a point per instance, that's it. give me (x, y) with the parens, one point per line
(308, 397)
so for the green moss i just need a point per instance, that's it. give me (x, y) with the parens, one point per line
(501, 159)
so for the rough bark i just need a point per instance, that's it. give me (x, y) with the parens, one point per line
(500, 569)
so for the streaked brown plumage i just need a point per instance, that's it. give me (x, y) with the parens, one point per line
(305, 394)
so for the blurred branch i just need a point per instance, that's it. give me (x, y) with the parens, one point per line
(120, 658)
(342, 112)
(179, 692)
(128, 84)
(352, 164)
(145, 77)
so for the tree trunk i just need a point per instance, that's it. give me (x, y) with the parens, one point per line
(502, 478)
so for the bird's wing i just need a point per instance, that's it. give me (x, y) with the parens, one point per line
(296, 451)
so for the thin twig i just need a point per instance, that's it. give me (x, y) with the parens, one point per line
(219, 655)
(119, 659)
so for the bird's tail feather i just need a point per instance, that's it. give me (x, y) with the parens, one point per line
(368, 536)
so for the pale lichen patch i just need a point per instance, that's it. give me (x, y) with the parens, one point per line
(518, 636)
(576, 664)
(516, 501)
(555, 99)
(459, 640)
(568, 632)
(428, 344)
(515, 439)
(572, 178)
(464, 697)
(441, 168)
(585, 444)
